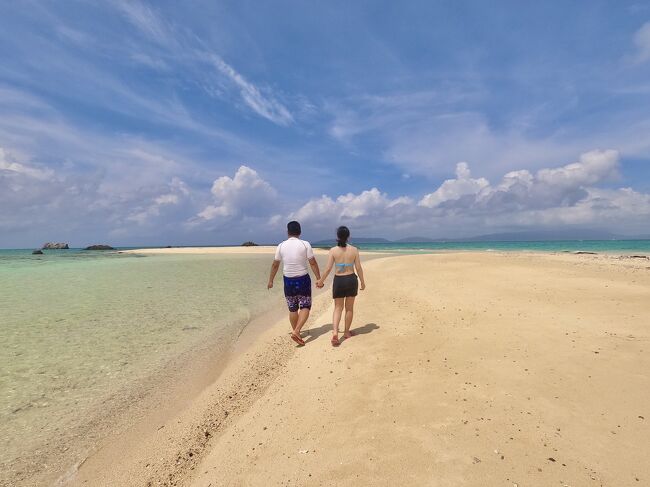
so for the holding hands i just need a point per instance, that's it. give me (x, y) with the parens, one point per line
(319, 283)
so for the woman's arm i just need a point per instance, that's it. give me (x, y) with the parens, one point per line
(328, 269)
(357, 265)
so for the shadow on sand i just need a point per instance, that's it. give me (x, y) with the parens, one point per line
(314, 333)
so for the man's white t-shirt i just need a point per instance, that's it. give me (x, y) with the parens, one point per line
(294, 254)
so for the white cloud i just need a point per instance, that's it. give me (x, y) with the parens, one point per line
(265, 106)
(453, 189)
(185, 50)
(642, 43)
(245, 194)
(566, 195)
(11, 166)
(426, 134)
(176, 191)
(145, 19)
(369, 206)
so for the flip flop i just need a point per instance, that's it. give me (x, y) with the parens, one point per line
(335, 341)
(298, 340)
(351, 333)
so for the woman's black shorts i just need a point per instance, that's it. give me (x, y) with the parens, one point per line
(345, 286)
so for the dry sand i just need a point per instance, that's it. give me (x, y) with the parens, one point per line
(473, 369)
(258, 249)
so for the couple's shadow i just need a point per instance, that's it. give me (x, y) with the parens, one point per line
(314, 333)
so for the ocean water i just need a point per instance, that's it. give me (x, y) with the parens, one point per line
(79, 330)
(598, 246)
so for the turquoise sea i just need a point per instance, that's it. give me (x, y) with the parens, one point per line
(598, 246)
(81, 330)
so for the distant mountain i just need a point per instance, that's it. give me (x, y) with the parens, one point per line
(546, 235)
(522, 236)
(419, 240)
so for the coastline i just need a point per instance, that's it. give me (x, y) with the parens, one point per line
(164, 446)
(517, 372)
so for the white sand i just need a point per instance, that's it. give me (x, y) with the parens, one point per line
(473, 369)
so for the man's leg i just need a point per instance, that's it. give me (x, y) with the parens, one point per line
(293, 319)
(302, 317)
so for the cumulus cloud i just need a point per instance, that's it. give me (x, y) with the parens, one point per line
(562, 186)
(454, 189)
(642, 43)
(368, 204)
(552, 196)
(245, 194)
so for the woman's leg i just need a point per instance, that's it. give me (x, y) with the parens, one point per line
(349, 314)
(336, 318)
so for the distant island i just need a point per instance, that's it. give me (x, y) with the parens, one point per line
(522, 236)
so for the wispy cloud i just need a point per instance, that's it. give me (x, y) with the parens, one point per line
(146, 20)
(187, 49)
(265, 106)
(642, 43)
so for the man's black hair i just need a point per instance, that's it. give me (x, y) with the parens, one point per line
(293, 228)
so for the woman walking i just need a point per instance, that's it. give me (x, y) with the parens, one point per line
(346, 259)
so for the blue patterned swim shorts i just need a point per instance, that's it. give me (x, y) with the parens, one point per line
(297, 290)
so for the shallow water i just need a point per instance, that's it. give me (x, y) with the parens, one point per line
(79, 327)
(598, 246)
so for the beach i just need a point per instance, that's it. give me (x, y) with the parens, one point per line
(468, 369)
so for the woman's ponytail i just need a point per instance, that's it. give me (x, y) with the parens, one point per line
(342, 236)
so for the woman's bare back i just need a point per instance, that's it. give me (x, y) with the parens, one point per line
(344, 259)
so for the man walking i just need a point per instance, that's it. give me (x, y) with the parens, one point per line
(295, 254)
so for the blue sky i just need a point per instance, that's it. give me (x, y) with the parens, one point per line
(138, 123)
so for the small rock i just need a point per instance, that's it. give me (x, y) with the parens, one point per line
(55, 246)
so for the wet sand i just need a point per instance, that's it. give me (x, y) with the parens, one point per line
(468, 369)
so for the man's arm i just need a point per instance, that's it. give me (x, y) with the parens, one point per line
(274, 270)
(315, 268)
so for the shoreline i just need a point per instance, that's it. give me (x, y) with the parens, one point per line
(440, 377)
(469, 369)
(185, 445)
(196, 372)
(269, 250)
(165, 452)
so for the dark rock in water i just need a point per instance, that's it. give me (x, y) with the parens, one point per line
(99, 247)
(168, 247)
(55, 246)
(37, 252)
(582, 252)
(249, 244)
